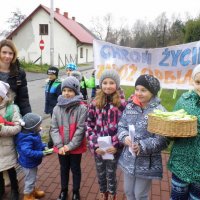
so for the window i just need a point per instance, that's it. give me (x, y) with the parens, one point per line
(81, 52)
(43, 29)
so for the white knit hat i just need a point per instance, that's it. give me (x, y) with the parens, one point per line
(195, 71)
(4, 87)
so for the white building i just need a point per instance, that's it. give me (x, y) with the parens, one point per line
(72, 40)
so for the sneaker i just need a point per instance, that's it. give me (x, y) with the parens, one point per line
(63, 195)
(76, 195)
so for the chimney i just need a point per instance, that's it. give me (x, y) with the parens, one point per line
(65, 14)
(73, 18)
(58, 10)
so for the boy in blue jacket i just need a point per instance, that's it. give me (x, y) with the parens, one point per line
(31, 150)
(52, 92)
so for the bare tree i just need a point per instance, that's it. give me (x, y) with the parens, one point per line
(14, 21)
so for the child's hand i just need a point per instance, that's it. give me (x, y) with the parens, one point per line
(61, 151)
(127, 141)
(66, 148)
(111, 150)
(100, 151)
(136, 148)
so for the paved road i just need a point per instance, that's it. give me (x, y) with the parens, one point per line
(36, 84)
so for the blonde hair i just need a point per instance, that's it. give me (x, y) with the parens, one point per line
(100, 99)
(10, 44)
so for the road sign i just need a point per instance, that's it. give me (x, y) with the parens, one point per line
(41, 44)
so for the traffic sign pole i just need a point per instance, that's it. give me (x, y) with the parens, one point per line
(41, 48)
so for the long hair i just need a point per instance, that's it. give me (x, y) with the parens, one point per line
(14, 65)
(101, 99)
(10, 44)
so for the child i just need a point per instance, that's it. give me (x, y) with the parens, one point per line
(184, 161)
(146, 163)
(69, 68)
(84, 83)
(30, 149)
(52, 92)
(103, 115)
(68, 134)
(8, 156)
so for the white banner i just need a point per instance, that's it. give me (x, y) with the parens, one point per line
(172, 65)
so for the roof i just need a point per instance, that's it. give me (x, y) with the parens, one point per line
(79, 31)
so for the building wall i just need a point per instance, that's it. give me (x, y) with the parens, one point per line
(65, 45)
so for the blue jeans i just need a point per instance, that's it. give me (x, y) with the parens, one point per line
(181, 190)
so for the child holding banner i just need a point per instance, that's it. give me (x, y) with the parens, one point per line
(184, 161)
(141, 157)
(103, 116)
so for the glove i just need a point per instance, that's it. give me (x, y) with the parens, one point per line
(5, 122)
(47, 152)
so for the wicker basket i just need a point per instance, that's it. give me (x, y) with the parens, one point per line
(169, 128)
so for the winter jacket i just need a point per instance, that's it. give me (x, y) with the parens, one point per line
(68, 124)
(86, 83)
(8, 156)
(148, 164)
(103, 122)
(52, 92)
(184, 159)
(18, 85)
(29, 147)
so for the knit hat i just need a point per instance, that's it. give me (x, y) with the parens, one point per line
(195, 71)
(77, 74)
(149, 82)
(4, 87)
(53, 70)
(110, 73)
(31, 121)
(72, 83)
(71, 66)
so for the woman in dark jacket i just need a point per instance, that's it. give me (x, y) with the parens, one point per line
(12, 73)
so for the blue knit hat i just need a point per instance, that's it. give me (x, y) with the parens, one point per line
(71, 66)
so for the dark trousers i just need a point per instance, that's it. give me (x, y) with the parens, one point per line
(73, 162)
(13, 179)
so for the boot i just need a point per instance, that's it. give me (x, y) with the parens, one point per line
(29, 197)
(14, 195)
(76, 195)
(38, 193)
(112, 196)
(103, 196)
(63, 195)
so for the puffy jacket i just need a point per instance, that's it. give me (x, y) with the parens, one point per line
(8, 156)
(68, 126)
(103, 122)
(18, 84)
(148, 164)
(52, 92)
(29, 147)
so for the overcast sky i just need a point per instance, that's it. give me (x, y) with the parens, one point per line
(84, 10)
